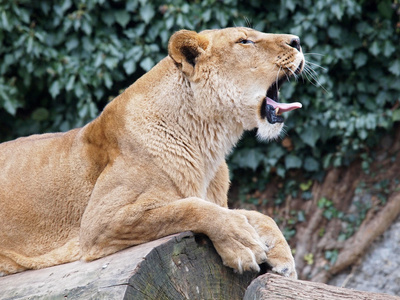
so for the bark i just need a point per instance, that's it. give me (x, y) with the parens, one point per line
(274, 287)
(182, 266)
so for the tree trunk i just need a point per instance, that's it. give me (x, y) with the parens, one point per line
(177, 267)
(274, 287)
(183, 266)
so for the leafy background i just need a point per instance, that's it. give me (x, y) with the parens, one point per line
(62, 61)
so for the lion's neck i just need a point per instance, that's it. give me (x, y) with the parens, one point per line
(188, 135)
(206, 131)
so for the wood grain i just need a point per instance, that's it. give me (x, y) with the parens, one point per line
(273, 287)
(181, 266)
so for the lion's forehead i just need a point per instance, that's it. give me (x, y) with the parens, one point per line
(233, 34)
(230, 32)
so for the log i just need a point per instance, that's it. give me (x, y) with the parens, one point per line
(181, 266)
(273, 287)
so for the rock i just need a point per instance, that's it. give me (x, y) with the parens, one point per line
(379, 270)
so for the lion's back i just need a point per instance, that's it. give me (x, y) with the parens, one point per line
(39, 187)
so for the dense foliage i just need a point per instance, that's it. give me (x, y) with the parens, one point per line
(61, 61)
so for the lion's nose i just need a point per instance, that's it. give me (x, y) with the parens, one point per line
(295, 43)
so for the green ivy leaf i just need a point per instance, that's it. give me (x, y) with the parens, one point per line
(10, 106)
(310, 40)
(310, 136)
(281, 171)
(40, 114)
(337, 10)
(29, 46)
(130, 66)
(93, 110)
(122, 17)
(4, 21)
(111, 62)
(292, 162)
(396, 115)
(395, 67)
(83, 110)
(335, 32)
(147, 64)
(54, 89)
(207, 15)
(389, 48)
(360, 59)
(86, 27)
(301, 216)
(375, 49)
(290, 5)
(131, 5)
(331, 255)
(305, 186)
(147, 13)
(363, 134)
(221, 17)
(249, 159)
(253, 159)
(169, 22)
(78, 90)
(72, 43)
(311, 165)
(70, 83)
(108, 18)
(107, 80)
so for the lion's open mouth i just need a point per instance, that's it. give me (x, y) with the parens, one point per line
(271, 109)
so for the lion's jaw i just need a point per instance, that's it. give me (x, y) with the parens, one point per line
(239, 66)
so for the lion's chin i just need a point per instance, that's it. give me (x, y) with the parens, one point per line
(267, 132)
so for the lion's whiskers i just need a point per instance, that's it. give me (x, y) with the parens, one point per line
(309, 53)
(283, 132)
(296, 76)
(317, 65)
(277, 78)
(311, 76)
(309, 72)
(248, 22)
(286, 74)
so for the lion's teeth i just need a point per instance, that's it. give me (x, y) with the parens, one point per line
(277, 111)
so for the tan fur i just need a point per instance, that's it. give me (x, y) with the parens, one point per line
(152, 164)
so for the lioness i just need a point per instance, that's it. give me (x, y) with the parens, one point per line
(153, 163)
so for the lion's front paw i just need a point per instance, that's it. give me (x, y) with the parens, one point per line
(279, 255)
(287, 270)
(238, 244)
(242, 259)
(281, 260)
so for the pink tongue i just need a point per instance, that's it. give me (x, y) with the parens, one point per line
(284, 107)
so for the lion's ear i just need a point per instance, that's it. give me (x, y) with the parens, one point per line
(184, 48)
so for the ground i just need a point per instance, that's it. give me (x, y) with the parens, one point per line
(379, 270)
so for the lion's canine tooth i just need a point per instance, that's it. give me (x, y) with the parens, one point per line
(277, 111)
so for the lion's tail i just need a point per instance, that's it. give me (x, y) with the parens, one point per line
(13, 262)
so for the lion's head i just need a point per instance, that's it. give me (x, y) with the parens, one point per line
(242, 70)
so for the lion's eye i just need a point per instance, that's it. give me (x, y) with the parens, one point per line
(245, 42)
